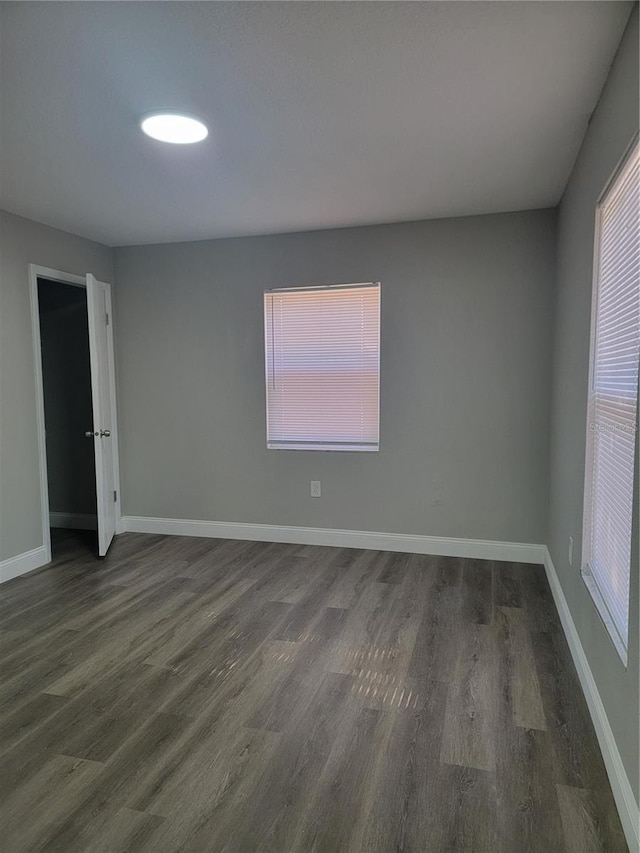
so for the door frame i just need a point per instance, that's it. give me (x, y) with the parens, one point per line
(35, 272)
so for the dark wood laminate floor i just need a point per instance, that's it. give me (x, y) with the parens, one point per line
(203, 695)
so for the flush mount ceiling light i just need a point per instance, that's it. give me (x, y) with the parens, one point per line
(177, 128)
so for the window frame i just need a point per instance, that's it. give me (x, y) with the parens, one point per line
(322, 445)
(620, 642)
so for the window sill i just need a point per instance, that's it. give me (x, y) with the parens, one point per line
(326, 447)
(603, 611)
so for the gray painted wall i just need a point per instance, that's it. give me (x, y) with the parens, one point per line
(66, 379)
(465, 379)
(612, 127)
(23, 242)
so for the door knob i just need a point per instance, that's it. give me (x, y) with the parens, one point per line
(105, 433)
(90, 433)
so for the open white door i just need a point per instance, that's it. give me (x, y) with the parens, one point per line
(99, 310)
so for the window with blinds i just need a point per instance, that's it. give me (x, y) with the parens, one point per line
(613, 401)
(322, 360)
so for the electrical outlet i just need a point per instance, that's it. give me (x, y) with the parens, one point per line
(315, 489)
(571, 550)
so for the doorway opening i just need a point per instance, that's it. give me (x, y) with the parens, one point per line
(76, 415)
(68, 413)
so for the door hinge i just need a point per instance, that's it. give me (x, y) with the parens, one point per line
(106, 319)
(115, 495)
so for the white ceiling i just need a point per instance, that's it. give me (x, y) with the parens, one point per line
(321, 114)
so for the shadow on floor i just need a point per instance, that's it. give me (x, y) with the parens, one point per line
(64, 540)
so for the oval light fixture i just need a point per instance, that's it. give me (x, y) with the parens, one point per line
(177, 128)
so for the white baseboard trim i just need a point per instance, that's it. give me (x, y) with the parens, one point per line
(618, 779)
(23, 563)
(437, 545)
(73, 520)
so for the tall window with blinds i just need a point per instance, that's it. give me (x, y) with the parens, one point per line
(322, 365)
(613, 401)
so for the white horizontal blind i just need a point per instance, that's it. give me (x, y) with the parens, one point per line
(322, 359)
(613, 398)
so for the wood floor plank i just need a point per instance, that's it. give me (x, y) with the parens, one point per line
(395, 568)
(40, 741)
(215, 756)
(313, 659)
(438, 641)
(528, 709)
(306, 613)
(401, 789)
(576, 755)
(465, 812)
(121, 831)
(566, 714)
(219, 777)
(138, 634)
(469, 734)
(537, 598)
(381, 670)
(281, 795)
(257, 675)
(361, 636)
(36, 811)
(199, 619)
(138, 762)
(339, 789)
(347, 589)
(477, 592)
(21, 722)
(231, 635)
(583, 830)
(507, 589)
(529, 816)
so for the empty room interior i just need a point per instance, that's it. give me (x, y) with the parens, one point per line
(319, 344)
